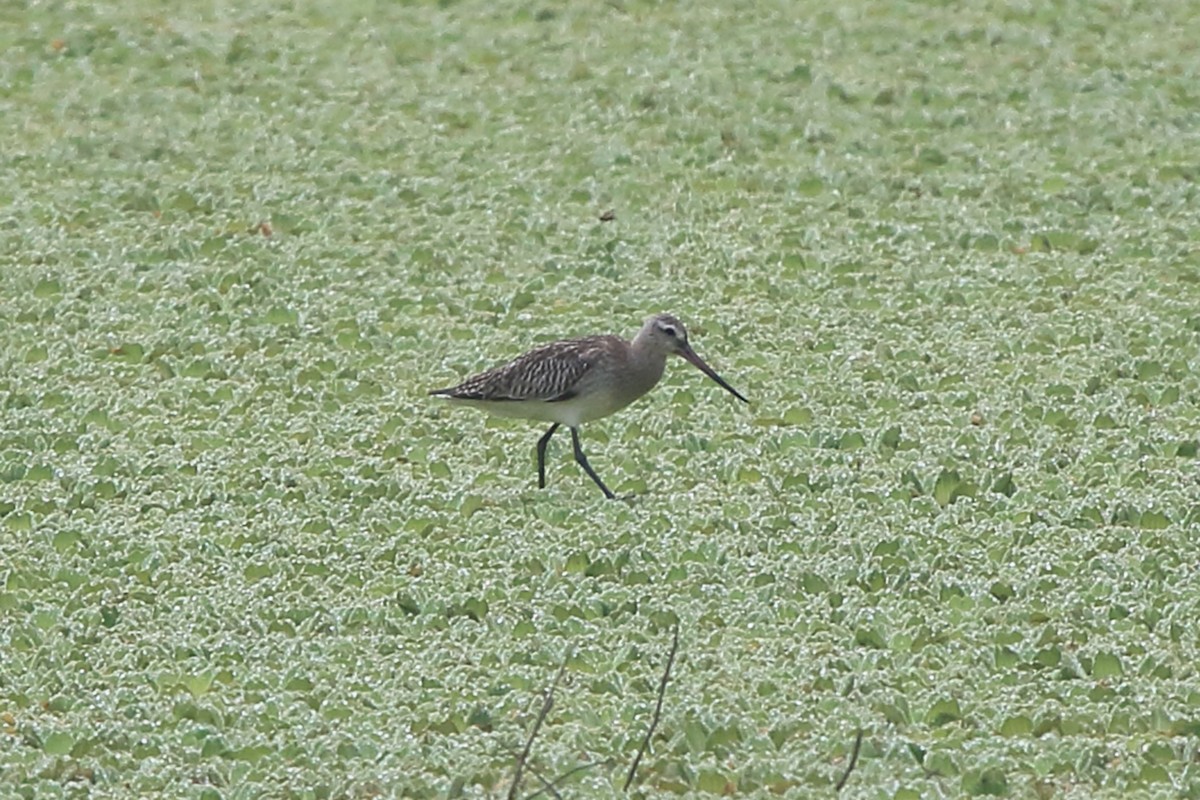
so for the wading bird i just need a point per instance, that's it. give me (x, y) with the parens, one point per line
(579, 380)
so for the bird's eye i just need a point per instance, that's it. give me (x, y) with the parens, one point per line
(669, 331)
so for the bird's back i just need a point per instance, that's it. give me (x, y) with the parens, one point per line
(551, 373)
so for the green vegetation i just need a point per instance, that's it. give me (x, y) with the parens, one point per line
(950, 251)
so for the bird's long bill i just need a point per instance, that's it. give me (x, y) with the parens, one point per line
(690, 354)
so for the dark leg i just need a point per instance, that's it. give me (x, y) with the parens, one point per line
(542, 442)
(583, 462)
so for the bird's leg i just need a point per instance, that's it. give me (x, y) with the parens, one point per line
(583, 462)
(541, 450)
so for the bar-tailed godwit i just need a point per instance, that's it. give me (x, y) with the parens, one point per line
(579, 380)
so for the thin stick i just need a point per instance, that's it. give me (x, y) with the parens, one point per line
(853, 761)
(662, 690)
(547, 703)
(550, 786)
(547, 786)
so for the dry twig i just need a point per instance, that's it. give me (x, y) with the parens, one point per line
(551, 786)
(662, 690)
(853, 761)
(547, 704)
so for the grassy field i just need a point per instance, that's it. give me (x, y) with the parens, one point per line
(950, 251)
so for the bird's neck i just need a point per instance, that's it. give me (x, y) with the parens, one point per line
(646, 365)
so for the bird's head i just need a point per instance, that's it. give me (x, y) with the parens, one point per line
(665, 334)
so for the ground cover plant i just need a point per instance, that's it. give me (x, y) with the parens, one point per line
(948, 250)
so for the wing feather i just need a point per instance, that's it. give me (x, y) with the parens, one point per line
(551, 373)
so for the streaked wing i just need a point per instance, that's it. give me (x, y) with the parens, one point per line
(549, 373)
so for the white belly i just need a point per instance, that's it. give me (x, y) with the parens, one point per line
(573, 413)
